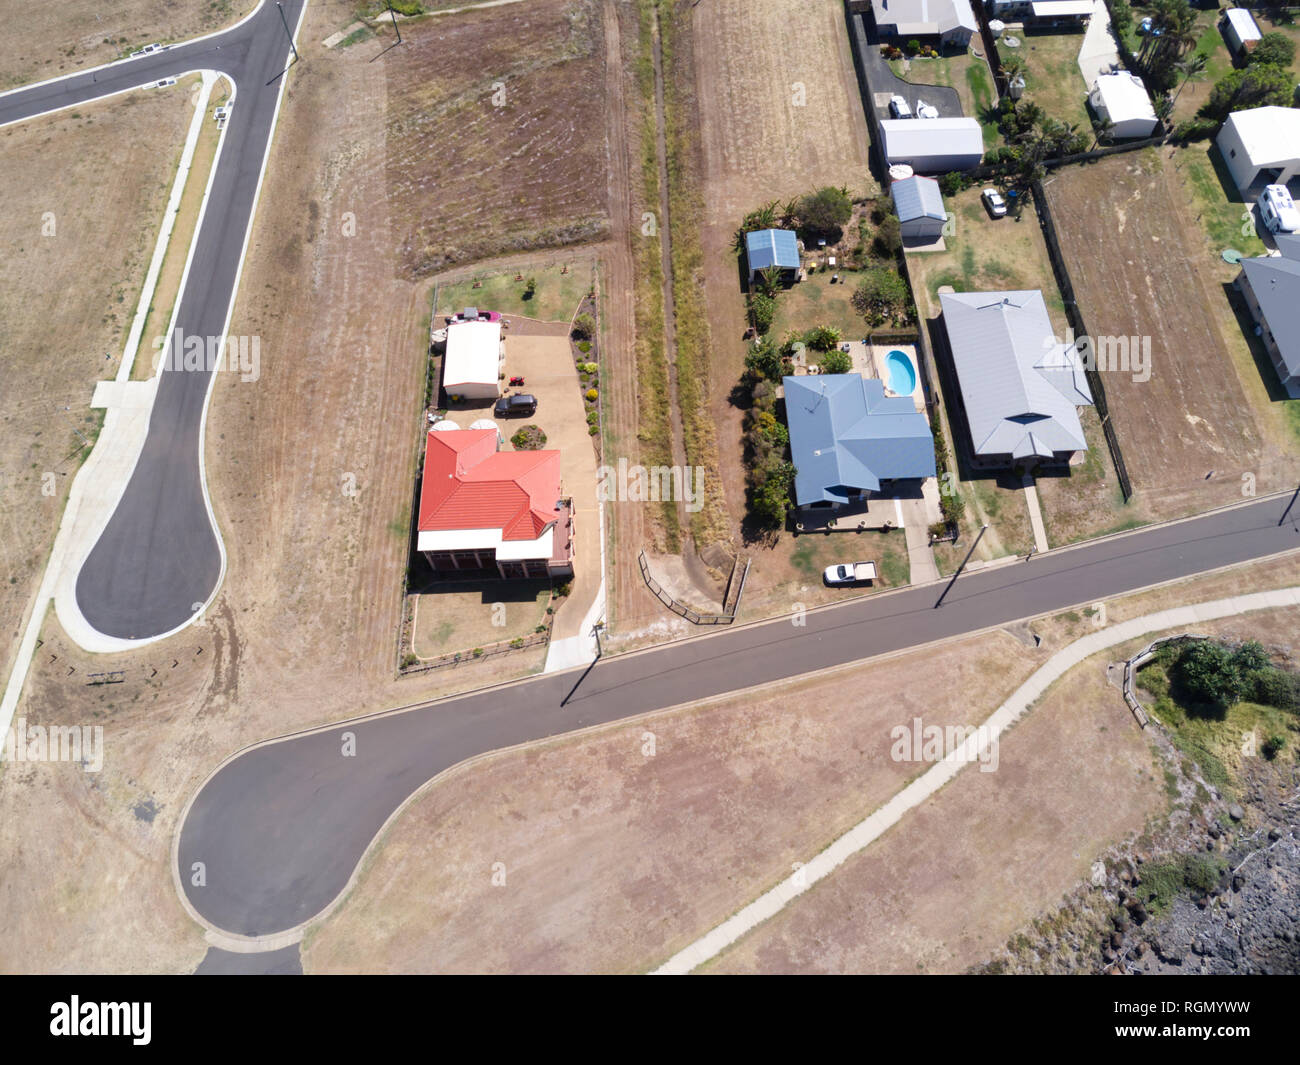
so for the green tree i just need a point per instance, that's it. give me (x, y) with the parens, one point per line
(1257, 85)
(763, 361)
(836, 361)
(1209, 674)
(888, 240)
(1275, 48)
(822, 214)
(771, 496)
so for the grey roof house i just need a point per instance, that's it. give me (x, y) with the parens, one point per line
(952, 21)
(1020, 385)
(771, 247)
(848, 439)
(919, 205)
(1270, 286)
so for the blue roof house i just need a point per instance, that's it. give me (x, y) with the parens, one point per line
(771, 247)
(848, 439)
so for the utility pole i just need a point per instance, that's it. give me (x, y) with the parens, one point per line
(948, 587)
(286, 30)
(395, 26)
(1282, 520)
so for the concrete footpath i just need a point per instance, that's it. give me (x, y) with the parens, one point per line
(866, 832)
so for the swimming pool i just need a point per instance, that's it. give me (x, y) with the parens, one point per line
(900, 374)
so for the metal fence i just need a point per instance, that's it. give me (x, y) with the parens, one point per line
(1075, 318)
(1141, 659)
(681, 609)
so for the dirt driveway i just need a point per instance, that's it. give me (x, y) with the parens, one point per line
(546, 364)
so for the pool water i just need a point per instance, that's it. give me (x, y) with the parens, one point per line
(900, 374)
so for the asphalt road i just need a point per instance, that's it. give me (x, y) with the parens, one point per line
(280, 828)
(159, 559)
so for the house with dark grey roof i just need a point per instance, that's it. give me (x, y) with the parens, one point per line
(919, 206)
(849, 440)
(772, 247)
(1270, 285)
(1020, 386)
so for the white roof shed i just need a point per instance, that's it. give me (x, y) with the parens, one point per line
(1123, 99)
(933, 145)
(475, 355)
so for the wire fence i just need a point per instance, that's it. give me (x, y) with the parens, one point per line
(1075, 318)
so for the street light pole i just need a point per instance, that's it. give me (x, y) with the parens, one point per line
(948, 587)
(286, 30)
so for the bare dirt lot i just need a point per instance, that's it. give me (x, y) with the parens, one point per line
(611, 853)
(58, 207)
(986, 856)
(1189, 434)
(466, 138)
(615, 858)
(305, 628)
(46, 40)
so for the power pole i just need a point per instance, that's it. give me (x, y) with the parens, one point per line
(948, 587)
(286, 30)
(395, 26)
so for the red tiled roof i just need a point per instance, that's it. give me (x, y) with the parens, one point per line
(469, 484)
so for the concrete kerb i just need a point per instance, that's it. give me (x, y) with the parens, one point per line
(126, 59)
(258, 944)
(1016, 706)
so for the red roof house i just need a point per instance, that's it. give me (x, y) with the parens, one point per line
(483, 509)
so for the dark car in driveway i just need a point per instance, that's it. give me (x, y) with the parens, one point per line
(515, 406)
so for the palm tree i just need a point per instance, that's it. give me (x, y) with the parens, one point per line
(1192, 68)
(1102, 127)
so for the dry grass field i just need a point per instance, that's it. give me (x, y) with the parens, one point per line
(1191, 432)
(615, 859)
(504, 148)
(47, 40)
(59, 318)
(305, 628)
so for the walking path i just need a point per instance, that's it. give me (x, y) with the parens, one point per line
(1035, 514)
(1097, 54)
(98, 486)
(865, 832)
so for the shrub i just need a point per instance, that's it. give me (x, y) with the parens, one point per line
(584, 326)
(951, 183)
(1273, 746)
(593, 417)
(517, 642)
(881, 294)
(584, 346)
(822, 214)
(563, 588)
(888, 241)
(592, 395)
(530, 288)
(822, 338)
(1274, 687)
(589, 367)
(477, 652)
(529, 438)
(409, 659)
(763, 361)
(763, 309)
(1195, 129)
(836, 361)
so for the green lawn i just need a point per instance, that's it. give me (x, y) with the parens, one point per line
(968, 74)
(1216, 203)
(1052, 78)
(815, 301)
(557, 297)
